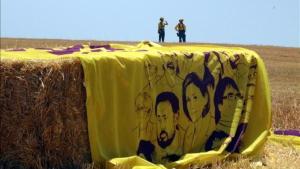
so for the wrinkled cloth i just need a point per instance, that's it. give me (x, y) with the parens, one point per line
(152, 106)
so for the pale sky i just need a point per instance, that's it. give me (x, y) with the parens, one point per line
(261, 22)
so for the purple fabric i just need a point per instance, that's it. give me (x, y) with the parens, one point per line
(16, 50)
(288, 132)
(69, 50)
(107, 47)
(100, 46)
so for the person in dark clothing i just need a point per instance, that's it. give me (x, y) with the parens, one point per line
(180, 28)
(161, 29)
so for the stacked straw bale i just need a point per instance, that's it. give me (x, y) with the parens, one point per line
(43, 121)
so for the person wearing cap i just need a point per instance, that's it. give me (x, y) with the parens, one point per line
(161, 29)
(180, 28)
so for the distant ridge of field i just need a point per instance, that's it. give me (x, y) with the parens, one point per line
(28, 42)
(283, 67)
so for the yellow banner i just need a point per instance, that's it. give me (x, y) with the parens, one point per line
(152, 106)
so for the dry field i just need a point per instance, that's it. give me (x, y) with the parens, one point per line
(283, 66)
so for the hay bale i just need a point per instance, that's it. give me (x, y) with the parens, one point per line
(43, 114)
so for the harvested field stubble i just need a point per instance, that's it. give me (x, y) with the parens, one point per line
(43, 114)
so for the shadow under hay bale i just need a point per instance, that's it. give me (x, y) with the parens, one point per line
(43, 121)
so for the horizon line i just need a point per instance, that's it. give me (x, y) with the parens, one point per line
(138, 41)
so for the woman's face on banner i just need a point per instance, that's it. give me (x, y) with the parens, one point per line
(195, 101)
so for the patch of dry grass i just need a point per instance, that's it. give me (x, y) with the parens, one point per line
(283, 66)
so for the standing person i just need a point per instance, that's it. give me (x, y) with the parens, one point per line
(180, 28)
(161, 29)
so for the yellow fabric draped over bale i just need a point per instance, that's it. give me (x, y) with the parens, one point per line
(176, 105)
(152, 106)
